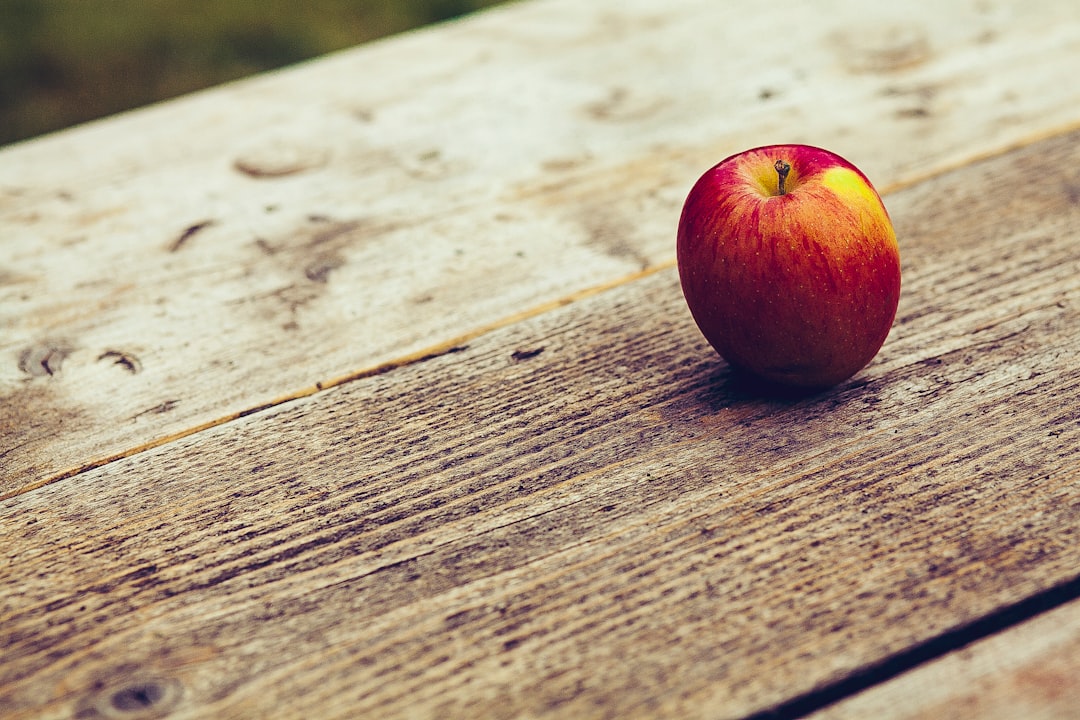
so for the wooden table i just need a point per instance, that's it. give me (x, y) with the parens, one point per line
(367, 389)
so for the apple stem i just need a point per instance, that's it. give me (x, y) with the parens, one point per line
(782, 170)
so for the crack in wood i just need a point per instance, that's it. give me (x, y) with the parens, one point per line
(188, 233)
(126, 360)
(44, 360)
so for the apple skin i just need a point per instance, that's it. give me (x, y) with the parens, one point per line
(799, 288)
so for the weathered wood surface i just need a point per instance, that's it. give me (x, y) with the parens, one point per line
(584, 514)
(1026, 672)
(175, 268)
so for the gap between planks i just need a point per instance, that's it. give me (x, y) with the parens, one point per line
(456, 342)
(922, 653)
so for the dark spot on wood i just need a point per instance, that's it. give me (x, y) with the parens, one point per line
(43, 360)
(293, 297)
(188, 233)
(264, 247)
(555, 165)
(520, 355)
(766, 94)
(319, 271)
(922, 91)
(912, 113)
(138, 697)
(126, 360)
(164, 407)
(159, 409)
(621, 105)
(603, 109)
(1072, 192)
(460, 618)
(332, 233)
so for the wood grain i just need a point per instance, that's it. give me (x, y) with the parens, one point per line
(177, 267)
(1025, 672)
(585, 514)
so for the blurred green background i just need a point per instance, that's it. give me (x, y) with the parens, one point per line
(63, 62)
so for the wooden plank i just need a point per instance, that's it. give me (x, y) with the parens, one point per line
(177, 267)
(584, 514)
(1026, 672)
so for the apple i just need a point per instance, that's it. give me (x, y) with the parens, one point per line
(789, 264)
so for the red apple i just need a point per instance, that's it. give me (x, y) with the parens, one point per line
(789, 264)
